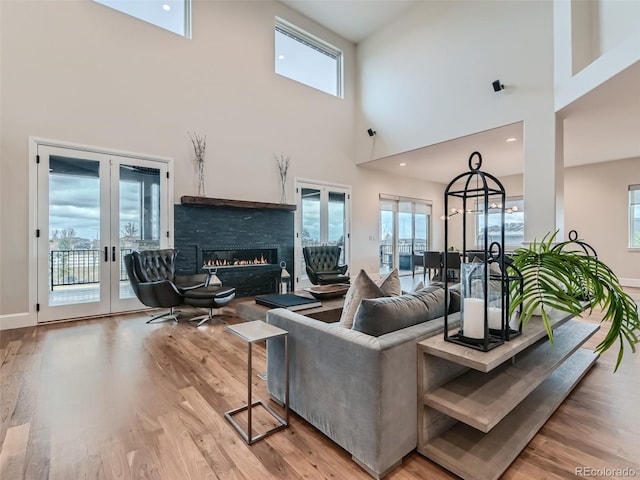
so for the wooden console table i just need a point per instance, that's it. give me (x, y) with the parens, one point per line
(478, 410)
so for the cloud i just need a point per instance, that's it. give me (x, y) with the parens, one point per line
(74, 202)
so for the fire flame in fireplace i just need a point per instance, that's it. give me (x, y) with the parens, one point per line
(235, 263)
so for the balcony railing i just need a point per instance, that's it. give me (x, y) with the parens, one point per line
(405, 250)
(79, 267)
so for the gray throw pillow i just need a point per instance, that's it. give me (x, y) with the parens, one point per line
(361, 287)
(455, 298)
(379, 316)
(390, 284)
(419, 286)
(455, 295)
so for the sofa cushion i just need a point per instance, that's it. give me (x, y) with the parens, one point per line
(361, 287)
(364, 287)
(379, 316)
(390, 284)
(419, 286)
(455, 295)
(455, 298)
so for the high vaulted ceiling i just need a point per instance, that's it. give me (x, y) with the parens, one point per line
(603, 125)
(353, 20)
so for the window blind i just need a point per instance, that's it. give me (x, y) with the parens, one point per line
(306, 39)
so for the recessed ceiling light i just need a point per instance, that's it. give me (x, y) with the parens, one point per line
(166, 7)
(511, 139)
(280, 57)
(403, 164)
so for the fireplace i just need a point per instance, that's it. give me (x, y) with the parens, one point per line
(244, 241)
(239, 257)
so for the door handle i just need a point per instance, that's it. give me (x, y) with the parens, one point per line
(106, 254)
(113, 254)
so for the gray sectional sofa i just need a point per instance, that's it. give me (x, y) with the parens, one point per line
(359, 390)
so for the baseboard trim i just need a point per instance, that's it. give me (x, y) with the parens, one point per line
(630, 282)
(17, 320)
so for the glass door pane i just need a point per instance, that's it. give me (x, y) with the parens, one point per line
(387, 235)
(405, 237)
(311, 234)
(337, 222)
(72, 271)
(421, 226)
(138, 217)
(310, 219)
(74, 230)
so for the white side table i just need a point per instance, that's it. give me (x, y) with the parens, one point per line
(252, 332)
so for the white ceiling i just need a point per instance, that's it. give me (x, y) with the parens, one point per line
(603, 125)
(354, 20)
(443, 161)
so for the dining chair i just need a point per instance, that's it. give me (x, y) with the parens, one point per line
(453, 266)
(432, 261)
(417, 260)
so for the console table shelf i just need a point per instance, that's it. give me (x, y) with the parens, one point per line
(474, 455)
(487, 361)
(482, 400)
(478, 410)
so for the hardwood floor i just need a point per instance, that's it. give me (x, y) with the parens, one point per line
(117, 398)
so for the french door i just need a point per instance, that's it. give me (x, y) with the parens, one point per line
(322, 219)
(403, 229)
(93, 208)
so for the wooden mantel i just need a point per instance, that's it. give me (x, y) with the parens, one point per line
(222, 202)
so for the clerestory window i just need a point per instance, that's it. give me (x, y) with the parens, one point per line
(634, 216)
(307, 59)
(172, 15)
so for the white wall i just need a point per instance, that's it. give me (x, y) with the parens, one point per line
(426, 78)
(587, 56)
(83, 73)
(600, 26)
(597, 206)
(618, 21)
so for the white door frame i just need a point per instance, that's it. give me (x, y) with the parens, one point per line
(304, 183)
(34, 143)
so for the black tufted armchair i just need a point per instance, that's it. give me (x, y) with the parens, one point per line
(322, 265)
(152, 277)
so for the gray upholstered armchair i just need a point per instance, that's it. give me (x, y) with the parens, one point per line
(322, 265)
(152, 277)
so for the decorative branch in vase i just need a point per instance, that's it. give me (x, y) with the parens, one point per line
(199, 148)
(283, 166)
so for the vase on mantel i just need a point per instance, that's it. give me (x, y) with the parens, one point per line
(201, 192)
(283, 190)
(199, 143)
(283, 167)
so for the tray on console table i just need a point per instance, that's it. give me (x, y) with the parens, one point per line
(477, 410)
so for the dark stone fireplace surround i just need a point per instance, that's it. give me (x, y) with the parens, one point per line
(202, 224)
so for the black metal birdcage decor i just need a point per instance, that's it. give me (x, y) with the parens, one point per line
(487, 278)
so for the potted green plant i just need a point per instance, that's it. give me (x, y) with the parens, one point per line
(573, 280)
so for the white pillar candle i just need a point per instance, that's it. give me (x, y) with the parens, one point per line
(494, 316)
(473, 318)
(515, 321)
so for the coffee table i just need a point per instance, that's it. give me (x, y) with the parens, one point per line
(329, 312)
